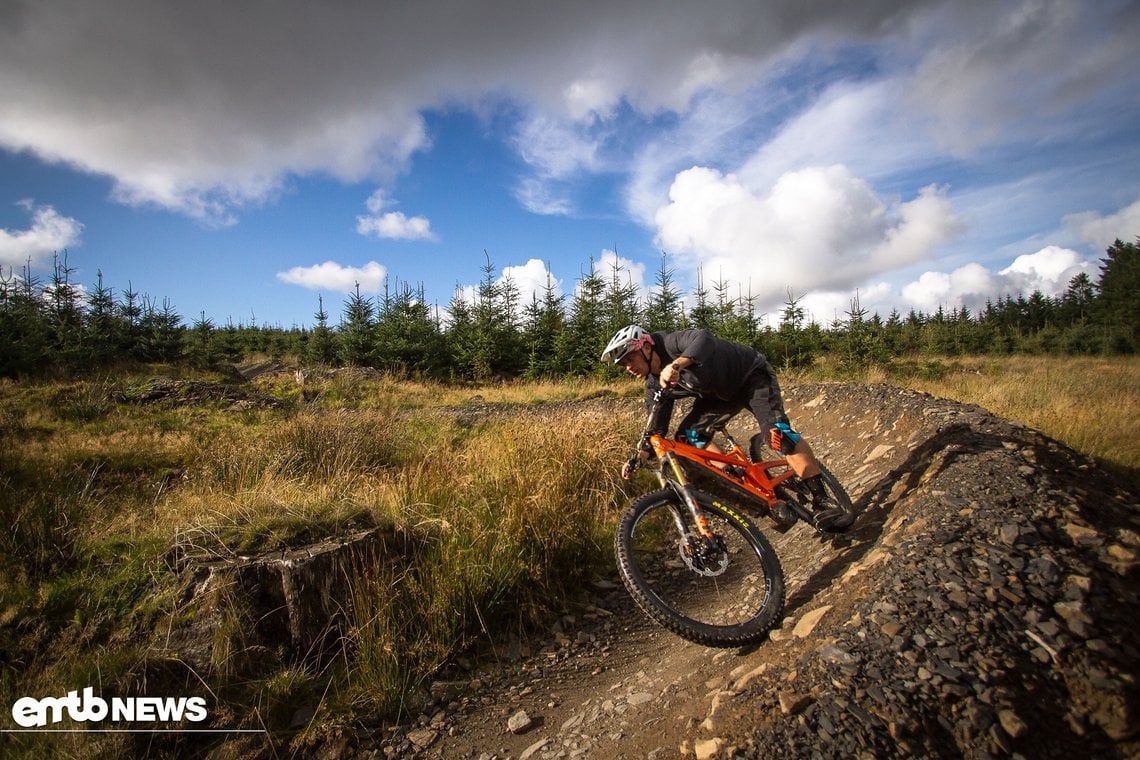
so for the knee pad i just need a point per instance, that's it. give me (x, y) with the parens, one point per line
(784, 439)
(694, 437)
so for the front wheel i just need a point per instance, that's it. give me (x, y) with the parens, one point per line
(723, 592)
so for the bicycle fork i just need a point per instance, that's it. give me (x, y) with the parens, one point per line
(681, 487)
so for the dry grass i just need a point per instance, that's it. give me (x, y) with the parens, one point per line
(1091, 404)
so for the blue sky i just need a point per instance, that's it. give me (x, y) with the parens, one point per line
(240, 159)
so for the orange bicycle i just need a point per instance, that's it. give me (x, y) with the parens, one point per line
(691, 554)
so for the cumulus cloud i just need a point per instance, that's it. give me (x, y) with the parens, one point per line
(557, 151)
(612, 266)
(531, 279)
(50, 232)
(1103, 231)
(820, 228)
(1048, 270)
(394, 225)
(337, 277)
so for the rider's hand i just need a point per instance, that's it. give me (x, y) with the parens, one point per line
(670, 374)
(630, 467)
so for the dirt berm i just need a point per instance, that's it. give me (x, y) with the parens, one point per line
(984, 605)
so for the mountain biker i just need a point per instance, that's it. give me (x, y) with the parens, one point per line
(726, 378)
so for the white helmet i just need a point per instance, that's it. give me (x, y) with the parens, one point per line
(625, 340)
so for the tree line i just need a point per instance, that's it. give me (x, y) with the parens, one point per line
(57, 326)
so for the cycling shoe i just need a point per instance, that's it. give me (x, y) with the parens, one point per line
(831, 519)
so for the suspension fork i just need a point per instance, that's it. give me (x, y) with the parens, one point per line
(681, 487)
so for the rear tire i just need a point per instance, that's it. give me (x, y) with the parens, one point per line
(836, 491)
(729, 597)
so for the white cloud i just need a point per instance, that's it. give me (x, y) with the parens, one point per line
(531, 279)
(970, 285)
(993, 73)
(1048, 270)
(336, 277)
(542, 197)
(1103, 231)
(855, 123)
(49, 233)
(818, 228)
(205, 108)
(394, 225)
(611, 265)
(557, 151)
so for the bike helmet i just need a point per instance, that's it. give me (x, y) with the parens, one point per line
(629, 338)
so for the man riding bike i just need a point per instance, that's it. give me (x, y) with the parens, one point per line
(726, 378)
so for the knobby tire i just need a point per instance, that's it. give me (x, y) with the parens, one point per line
(732, 609)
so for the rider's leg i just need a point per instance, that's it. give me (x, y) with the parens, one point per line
(767, 405)
(706, 417)
(803, 461)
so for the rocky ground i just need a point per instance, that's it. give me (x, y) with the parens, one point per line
(982, 606)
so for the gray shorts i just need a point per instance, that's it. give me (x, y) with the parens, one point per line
(759, 393)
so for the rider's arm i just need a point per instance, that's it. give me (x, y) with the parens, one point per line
(671, 372)
(660, 424)
(690, 349)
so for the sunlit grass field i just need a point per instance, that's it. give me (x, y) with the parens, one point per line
(1091, 404)
(104, 501)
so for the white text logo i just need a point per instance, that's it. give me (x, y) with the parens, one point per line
(29, 712)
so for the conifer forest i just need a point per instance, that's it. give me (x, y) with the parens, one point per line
(56, 325)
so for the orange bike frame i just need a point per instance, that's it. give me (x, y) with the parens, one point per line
(758, 480)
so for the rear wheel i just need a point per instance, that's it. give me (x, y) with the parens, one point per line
(839, 513)
(724, 592)
(842, 502)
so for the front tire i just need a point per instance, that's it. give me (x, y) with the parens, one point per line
(729, 597)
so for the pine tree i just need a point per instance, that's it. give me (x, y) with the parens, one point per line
(460, 336)
(357, 339)
(408, 339)
(664, 312)
(790, 346)
(65, 317)
(101, 337)
(620, 302)
(703, 315)
(159, 334)
(24, 336)
(1118, 303)
(585, 335)
(489, 322)
(130, 313)
(321, 348)
(544, 323)
(202, 352)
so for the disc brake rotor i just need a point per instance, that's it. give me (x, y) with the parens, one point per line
(704, 556)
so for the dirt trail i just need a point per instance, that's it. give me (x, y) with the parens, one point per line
(983, 606)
